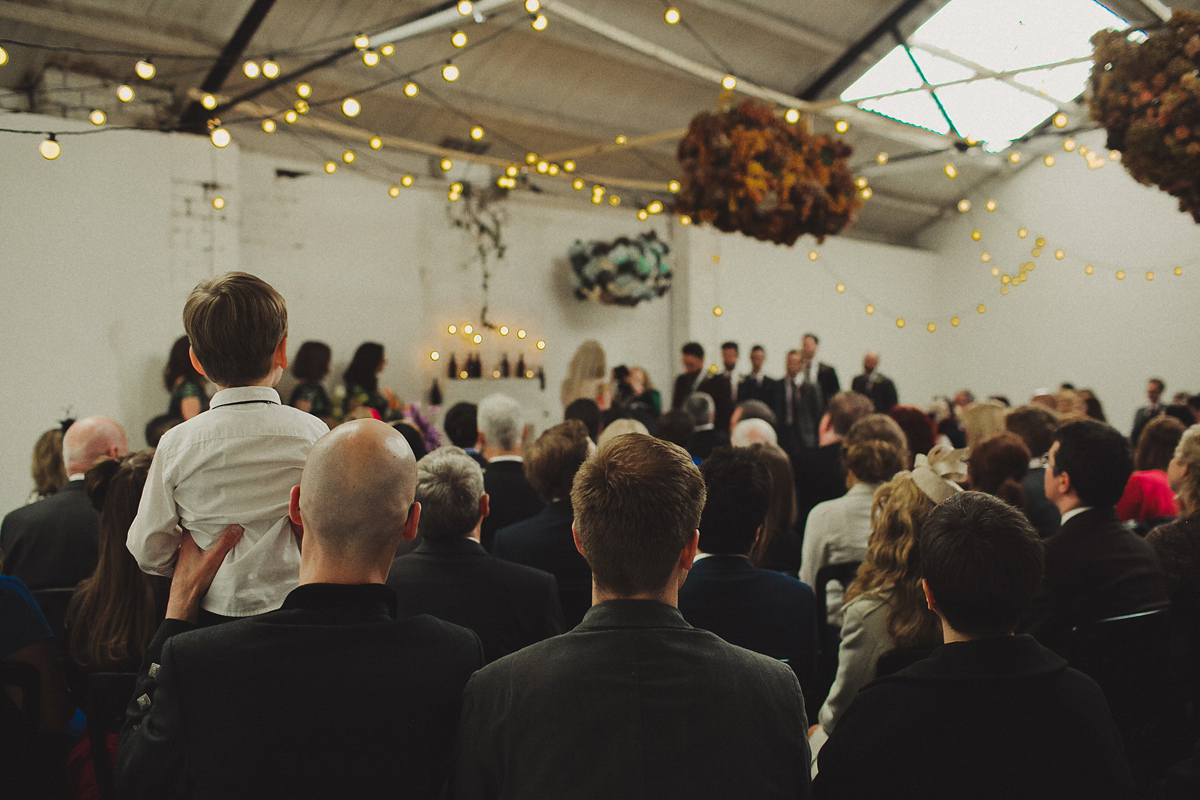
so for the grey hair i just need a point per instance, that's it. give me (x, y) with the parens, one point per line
(500, 421)
(700, 407)
(620, 427)
(751, 431)
(449, 485)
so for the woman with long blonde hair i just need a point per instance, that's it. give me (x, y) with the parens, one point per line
(587, 375)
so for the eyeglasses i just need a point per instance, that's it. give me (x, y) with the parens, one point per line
(1044, 460)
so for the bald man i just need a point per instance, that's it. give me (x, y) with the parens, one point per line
(331, 695)
(51, 544)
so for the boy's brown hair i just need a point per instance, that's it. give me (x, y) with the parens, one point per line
(234, 323)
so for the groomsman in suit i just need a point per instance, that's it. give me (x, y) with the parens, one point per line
(729, 360)
(875, 384)
(798, 406)
(756, 385)
(1154, 389)
(823, 374)
(696, 379)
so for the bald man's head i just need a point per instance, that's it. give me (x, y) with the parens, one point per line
(91, 439)
(357, 489)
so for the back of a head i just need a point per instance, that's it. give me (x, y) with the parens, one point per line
(875, 449)
(847, 408)
(1156, 445)
(997, 466)
(675, 426)
(620, 427)
(554, 457)
(1035, 425)
(462, 425)
(312, 361)
(757, 409)
(449, 485)
(983, 563)
(637, 503)
(1097, 459)
(363, 369)
(693, 349)
(159, 425)
(918, 428)
(586, 411)
(234, 322)
(982, 421)
(358, 485)
(782, 511)
(738, 487)
(898, 512)
(752, 431)
(700, 407)
(179, 364)
(500, 421)
(89, 439)
(1187, 453)
(46, 467)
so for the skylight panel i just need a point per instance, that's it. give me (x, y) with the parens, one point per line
(993, 112)
(893, 73)
(915, 108)
(1063, 83)
(940, 70)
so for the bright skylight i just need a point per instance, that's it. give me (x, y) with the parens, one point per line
(967, 38)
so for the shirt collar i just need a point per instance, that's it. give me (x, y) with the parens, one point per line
(244, 394)
(499, 459)
(633, 614)
(1074, 512)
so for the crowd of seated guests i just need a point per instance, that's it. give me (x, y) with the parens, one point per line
(497, 512)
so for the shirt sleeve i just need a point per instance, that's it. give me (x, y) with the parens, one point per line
(812, 555)
(154, 536)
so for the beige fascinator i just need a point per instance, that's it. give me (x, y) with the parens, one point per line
(935, 474)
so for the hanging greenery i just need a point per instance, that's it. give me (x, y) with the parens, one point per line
(623, 272)
(1147, 95)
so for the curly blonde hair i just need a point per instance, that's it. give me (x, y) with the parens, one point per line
(1187, 452)
(893, 562)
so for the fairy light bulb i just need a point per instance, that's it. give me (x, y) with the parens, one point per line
(673, 186)
(840, 288)
(729, 83)
(621, 139)
(504, 330)
(406, 181)
(684, 219)
(931, 327)
(991, 205)
(465, 8)
(50, 148)
(302, 106)
(348, 156)
(964, 206)
(531, 6)
(1022, 233)
(144, 69)
(220, 137)
(552, 170)
(718, 311)
(792, 116)
(1014, 157)
(1089, 270)
(370, 58)
(451, 329)
(954, 322)
(330, 167)
(568, 166)
(393, 191)
(655, 208)
(900, 323)
(511, 171)
(304, 90)
(388, 50)
(541, 345)
(539, 22)
(3, 56)
(981, 308)
(1178, 270)
(866, 193)
(1048, 161)
(410, 89)
(614, 200)
(841, 126)
(813, 255)
(985, 257)
(351, 107)
(477, 133)
(1060, 120)
(458, 39)
(477, 338)
(976, 235)
(870, 308)
(641, 214)
(1120, 274)
(434, 355)
(98, 117)
(951, 171)
(125, 93)
(218, 203)
(446, 164)
(449, 73)
(270, 69)
(290, 116)
(671, 15)
(543, 167)
(577, 184)
(1068, 145)
(251, 69)
(268, 125)
(521, 333)
(362, 41)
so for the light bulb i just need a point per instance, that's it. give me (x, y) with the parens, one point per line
(792, 115)
(452, 329)
(3, 56)
(552, 169)
(1089, 269)
(477, 338)
(900, 322)
(541, 345)
(393, 191)
(468, 329)
(577, 184)
(981, 308)
(881, 158)
(406, 181)
(543, 167)
(964, 205)
(125, 93)
(387, 50)
(1178, 270)
(1060, 120)
(1048, 161)
(1120, 274)
(330, 167)
(520, 333)
(614, 200)
(208, 101)
(456, 188)
(50, 148)
(290, 116)
(568, 166)
(1069, 145)
(251, 70)
(449, 73)
(655, 208)
(539, 22)
(671, 16)
(304, 90)
(867, 193)
(370, 58)
(813, 255)
(375, 143)
(684, 219)
(270, 69)
(351, 107)
(348, 156)
(362, 41)
(220, 137)
(532, 6)
(504, 330)
(1014, 157)
(410, 89)
(951, 171)
(458, 39)
(621, 138)
(97, 117)
(672, 186)
(977, 235)
(718, 311)
(841, 288)
(435, 355)
(870, 308)
(447, 165)
(302, 106)
(144, 69)
(931, 327)
(218, 203)
(841, 126)
(510, 171)
(531, 158)
(465, 8)
(991, 205)
(729, 83)
(642, 215)
(954, 321)
(268, 125)
(477, 133)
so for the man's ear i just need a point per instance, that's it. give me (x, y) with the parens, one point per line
(575, 536)
(484, 505)
(294, 516)
(196, 362)
(279, 358)
(480, 441)
(410, 525)
(688, 554)
(929, 601)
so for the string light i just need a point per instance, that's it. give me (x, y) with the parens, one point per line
(532, 6)
(870, 308)
(458, 39)
(218, 203)
(991, 205)
(1069, 145)
(577, 184)
(290, 116)
(543, 167)
(1022, 233)
(3, 56)
(1014, 157)
(729, 83)
(671, 15)
(370, 58)
(97, 117)
(504, 330)
(1060, 254)
(1178, 271)
(1040, 241)
(1120, 274)
(351, 107)
(50, 148)
(393, 191)
(860, 182)
(964, 205)
(568, 166)
(302, 106)
(552, 169)
(813, 255)
(330, 167)
(621, 138)
(449, 73)
(268, 125)
(867, 193)
(465, 8)
(387, 50)
(641, 214)
(1150, 276)
(684, 219)
(446, 164)
(406, 181)
(410, 89)
(477, 133)
(521, 333)
(718, 311)
(792, 116)
(1113, 155)
(362, 41)
(981, 308)
(125, 93)
(977, 235)
(985, 257)
(841, 288)
(303, 90)
(931, 327)
(1048, 160)
(348, 156)
(452, 329)
(468, 329)
(220, 137)
(144, 69)
(435, 355)
(655, 208)
(1089, 270)
(995, 272)
(841, 126)
(1060, 120)
(375, 143)
(954, 321)
(270, 69)
(477, 338)
(539, 22)
(251, 70)
(900, 323)
(541, 345)
(951, 171)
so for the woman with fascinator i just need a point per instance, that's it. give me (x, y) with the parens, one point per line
(885, 608)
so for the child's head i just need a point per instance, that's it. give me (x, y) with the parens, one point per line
(235, 323)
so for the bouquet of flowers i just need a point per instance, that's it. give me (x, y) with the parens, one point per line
(1147, 95)
(748, 170)
(623, 272)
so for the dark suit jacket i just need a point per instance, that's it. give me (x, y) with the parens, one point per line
(758, 609)
(51, 544)
(545, 542)
(820, 476)
(512, 498)
(993, 718)
(1140, 418)
(1042, 513)
(760, 388)
(827, 379)
(634, 703)
(802, 433)
(717, 386)
(880, 389)
(330, 696)
(702, 443)
(508, 605)
(1095, 568)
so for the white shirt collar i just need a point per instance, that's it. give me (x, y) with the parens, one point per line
(494, 459)
(1074, 512)
(244, 394)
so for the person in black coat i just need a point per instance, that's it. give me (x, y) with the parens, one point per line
(705, 435)
(501, 433)
(545, 541)
(696, 379)
(875, 385)
(450, 575)
(53, 543)
(332, 695)
(989, 714)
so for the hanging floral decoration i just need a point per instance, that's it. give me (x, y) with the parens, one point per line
(748, 170)
(1147, 95)
(623, 272)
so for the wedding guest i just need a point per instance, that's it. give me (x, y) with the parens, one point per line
(586, 376)
(1177, 543)
(1148, 494)
(779, 547)
(918, 430)
(184, 382)
(998, 466)
(363, 392)
(157, 426)
(461, 424)
(620, 427)
(310, 366)
(47, 468)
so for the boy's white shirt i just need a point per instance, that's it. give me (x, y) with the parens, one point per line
(235, 463)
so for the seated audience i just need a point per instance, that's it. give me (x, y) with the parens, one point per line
(544, 541)
(310, 367)
(885, 608)
(450, 575)
(620, 427)
(982, 421)
(461, 424)
(752, 409)
(918, 430)
(1036, 424)
(705, 436)
(759, 609)
(51, 544)
(1148, 495)
(998, 465)
(157, 426)
(1177, 543)
(752, 431)
(46, 467)
(586, 411)
(990, 714)
(331, 695)
(501, 434)
(635, 702)
(185, 383)
(1095, 566)
(779, 547)
(837, 530)
(820, 473)
(676, 427)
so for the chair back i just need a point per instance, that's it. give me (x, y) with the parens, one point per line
(108, 696)
(828, 636)
(20, 715)
(53, 603)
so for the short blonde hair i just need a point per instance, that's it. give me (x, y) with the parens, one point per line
(1187, 452)
(234, 322)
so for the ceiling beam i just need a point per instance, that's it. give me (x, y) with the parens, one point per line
(194, 118)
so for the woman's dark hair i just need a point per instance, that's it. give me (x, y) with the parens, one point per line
(997, 466)
(113, 613)
(918, 430)
(364, 367)
(1156, 445)
(312, 361)
(179, 365)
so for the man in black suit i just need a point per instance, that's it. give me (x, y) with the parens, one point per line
(452, 577)
(756, 385)
(1036, 426)
(634, 702)
(759, 609)
(1154, 389)
(705, 435)
(1095, 566)
(544, 541)
(696, 379)
(51, 544)
(501, 433)
(331, 695)
(823, 374)
(798, 407)
(462, 429)
(875, 385)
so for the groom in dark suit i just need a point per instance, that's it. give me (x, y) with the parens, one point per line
(634, 702)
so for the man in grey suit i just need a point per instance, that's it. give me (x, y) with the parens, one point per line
(634, 702)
